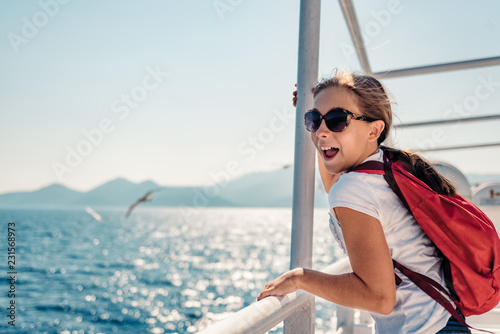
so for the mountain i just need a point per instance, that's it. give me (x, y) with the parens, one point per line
(187, 196)
(53, 194)
(262, 189)
(116, 192)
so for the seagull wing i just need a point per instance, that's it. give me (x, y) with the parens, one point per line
(132, 207)
(146, 197)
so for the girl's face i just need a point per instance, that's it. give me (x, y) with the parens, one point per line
(350, 147)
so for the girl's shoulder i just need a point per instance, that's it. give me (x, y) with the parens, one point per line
(355, 182)
(358, 192)
(360, 189)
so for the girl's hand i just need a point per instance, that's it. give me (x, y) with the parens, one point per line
(295, 96)
(283, 285)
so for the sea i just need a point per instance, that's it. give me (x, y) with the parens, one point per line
(162, 270)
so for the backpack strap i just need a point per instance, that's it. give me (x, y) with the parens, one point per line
(370, 167)
(380, 168)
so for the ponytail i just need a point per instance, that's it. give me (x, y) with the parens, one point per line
(423, 170)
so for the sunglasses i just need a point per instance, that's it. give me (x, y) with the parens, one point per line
(336, 120)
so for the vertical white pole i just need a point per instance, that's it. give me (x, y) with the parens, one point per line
(304, 161)
(345, 319)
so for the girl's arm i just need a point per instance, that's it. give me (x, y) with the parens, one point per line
(371, 286)
(328, 178)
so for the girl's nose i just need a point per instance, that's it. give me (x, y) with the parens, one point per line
(323, 131)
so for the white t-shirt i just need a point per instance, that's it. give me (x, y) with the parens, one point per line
(415, 311)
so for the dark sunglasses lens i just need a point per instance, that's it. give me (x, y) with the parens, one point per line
(312, 120)
(336, 120)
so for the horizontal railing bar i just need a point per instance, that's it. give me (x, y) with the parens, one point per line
(261, 316)
(459, 65)
(265, 314)
(448, 121)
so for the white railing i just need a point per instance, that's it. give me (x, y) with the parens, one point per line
(262, 316)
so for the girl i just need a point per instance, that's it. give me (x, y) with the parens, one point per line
(351, 117)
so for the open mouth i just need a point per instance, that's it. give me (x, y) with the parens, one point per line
(329, 152)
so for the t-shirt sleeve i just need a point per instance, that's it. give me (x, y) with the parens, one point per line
(353, 192)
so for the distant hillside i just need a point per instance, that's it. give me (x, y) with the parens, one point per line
(116, 192)
(263, 189)
(53, 194)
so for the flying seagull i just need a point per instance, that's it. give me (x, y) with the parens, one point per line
(283, 165)
(94, 214)
(145, 198)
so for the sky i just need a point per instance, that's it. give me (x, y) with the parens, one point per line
(191, 93)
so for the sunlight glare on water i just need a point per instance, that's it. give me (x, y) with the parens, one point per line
(155, 272)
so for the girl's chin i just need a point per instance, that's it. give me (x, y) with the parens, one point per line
(332, 167)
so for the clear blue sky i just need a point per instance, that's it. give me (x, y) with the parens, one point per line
(179, 91)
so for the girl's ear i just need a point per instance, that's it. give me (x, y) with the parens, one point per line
(376, 128)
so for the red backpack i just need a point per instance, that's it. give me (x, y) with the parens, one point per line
(465, 237)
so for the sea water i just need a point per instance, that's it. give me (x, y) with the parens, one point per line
(162, 270)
